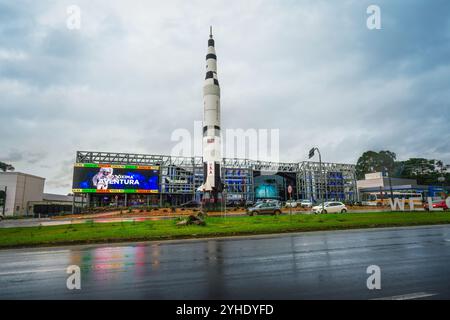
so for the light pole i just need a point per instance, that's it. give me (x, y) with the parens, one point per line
(386, 171)
(441, 179)
(225, 197)
(311, 154)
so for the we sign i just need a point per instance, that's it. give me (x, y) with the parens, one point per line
(400, 203)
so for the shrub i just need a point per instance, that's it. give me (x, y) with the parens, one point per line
(202, 214)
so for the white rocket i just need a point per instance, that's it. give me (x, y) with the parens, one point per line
(211, 124)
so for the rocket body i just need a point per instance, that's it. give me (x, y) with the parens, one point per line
(211, 124)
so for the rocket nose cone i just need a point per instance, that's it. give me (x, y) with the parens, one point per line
(211, 40)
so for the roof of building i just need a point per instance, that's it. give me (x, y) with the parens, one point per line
(20, 174)
(56, 197)
(403, 187)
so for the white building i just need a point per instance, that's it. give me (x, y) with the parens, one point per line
(377, 180)
(21, 189)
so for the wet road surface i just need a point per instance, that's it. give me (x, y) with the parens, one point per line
(414, 262)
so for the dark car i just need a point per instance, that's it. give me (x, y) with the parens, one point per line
(441, 204)
(272, 208)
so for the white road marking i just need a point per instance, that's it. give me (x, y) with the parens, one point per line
(414, 246)
(410, 296)
(29, 271)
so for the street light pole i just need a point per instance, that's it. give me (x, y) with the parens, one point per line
(311, 154)
(390, 184)
(225, 189)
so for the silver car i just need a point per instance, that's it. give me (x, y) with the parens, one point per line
(265, 208)
(291, 204)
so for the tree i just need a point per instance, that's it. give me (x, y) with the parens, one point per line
(371, 161)
(387, 160)
(425, 171)
(6, 167)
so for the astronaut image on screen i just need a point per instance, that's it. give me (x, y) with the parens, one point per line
(103, 178)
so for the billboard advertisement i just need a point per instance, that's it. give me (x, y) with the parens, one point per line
(106, 178)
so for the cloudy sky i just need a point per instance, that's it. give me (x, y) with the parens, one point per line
(133, 73)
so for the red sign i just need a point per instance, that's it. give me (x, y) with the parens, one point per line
(210, 168)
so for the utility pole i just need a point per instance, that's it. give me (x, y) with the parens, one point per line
(311, 154)
(386, 171)
(225, 192)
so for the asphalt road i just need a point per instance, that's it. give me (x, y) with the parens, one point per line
(414, 262)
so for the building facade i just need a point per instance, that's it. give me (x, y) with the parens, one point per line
(21, 189)
(377, 188)
(245, 180)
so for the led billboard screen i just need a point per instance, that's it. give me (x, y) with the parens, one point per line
(106, 178)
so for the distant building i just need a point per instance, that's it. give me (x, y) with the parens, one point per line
(54, 204)
(376, 189)
(21, 188)
(377, 180)
(25, 197)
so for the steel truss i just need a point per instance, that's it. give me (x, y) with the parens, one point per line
(183, 175)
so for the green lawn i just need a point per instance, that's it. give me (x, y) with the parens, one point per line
(216, 226)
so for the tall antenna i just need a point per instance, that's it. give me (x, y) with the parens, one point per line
(210, 32)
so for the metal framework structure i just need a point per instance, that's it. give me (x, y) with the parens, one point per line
(180, 177)
(336, 181)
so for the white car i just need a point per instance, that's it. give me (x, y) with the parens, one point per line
(291, 204)
(330, 207)
(306, 204)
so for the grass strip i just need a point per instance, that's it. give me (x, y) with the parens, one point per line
(91, 232)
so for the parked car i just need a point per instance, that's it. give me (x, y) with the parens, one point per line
(276, 201)
(306, 204)
(264, 208)
(249, 203)
(291, 204)
(330, 207)
(439, 204)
